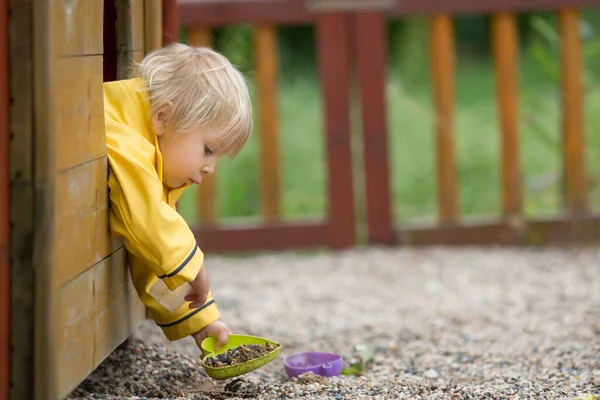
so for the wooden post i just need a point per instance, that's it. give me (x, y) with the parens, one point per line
(207, 207)
(333, 43)
(504, 37)
(575, 185)
(443, 71)
(370, 38)
(5, 276)
(267, 66)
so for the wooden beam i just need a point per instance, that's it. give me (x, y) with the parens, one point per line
(262, 237)
(207, 191)
(443, 74)
(371, 50)
(5, 276)
(295, 12)
(505, 46)
(22, 202)
(575, 179)
(333, 48)
(46, 375)
(541, 232)
(267, 69)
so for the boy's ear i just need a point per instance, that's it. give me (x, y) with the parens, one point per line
(159, 120)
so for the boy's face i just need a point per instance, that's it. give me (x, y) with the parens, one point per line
(187, 157)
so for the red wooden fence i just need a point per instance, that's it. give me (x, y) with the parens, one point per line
(353, 31)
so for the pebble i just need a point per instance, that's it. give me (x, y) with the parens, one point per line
(500, 324)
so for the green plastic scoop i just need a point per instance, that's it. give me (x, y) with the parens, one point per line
(236, 340)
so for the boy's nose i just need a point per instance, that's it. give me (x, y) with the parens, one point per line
(208, 169)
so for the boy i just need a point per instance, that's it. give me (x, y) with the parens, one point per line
(165, 130)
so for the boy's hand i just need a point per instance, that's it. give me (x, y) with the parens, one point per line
(217, 329)
(200, 287)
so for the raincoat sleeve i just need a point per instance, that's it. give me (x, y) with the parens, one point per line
(151, 229)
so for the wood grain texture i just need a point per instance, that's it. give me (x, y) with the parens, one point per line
(443, 74)
(505, 47)
(74, 332)
(117, 308)
(79, 116)
(99, 310)
(82, 213)
(138, 28)
(78, 26)
(152, 25)
(22, 200)
(46, 371)
(267, 69)
(575, 179)
(5, 287)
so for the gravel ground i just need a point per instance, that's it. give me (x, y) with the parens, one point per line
(443, 324)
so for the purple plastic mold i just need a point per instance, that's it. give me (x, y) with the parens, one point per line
(319, 363)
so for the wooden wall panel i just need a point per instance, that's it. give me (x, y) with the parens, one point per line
(82, 236)
(88, 305)
(117, 308)
(78, 26)
(74, 331)
(80, 119)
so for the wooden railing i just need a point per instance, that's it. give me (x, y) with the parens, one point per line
(347, 32)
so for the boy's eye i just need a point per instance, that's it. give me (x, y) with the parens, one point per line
(207, 151)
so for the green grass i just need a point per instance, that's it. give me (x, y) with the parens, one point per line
(411, 152)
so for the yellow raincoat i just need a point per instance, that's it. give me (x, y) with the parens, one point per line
(160, 244)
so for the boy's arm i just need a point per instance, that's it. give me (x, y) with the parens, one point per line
(150, 228)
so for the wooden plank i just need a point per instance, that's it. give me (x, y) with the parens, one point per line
(575, 185)
(262, 237)
(267, 66)
(370, 38)
(74, 332)
(138, 42)
(294, 12)
(79, 105)
(78, 26)
(5, 275)
(333, 49)
(116, 311)
(226, 13)
(22, 199)
(504, 38)
(207, 207)
(541, 232)
(153, 25)
(82, 214)
(443, 71)
(47, 305)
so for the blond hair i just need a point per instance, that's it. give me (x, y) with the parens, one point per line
(199, 88)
